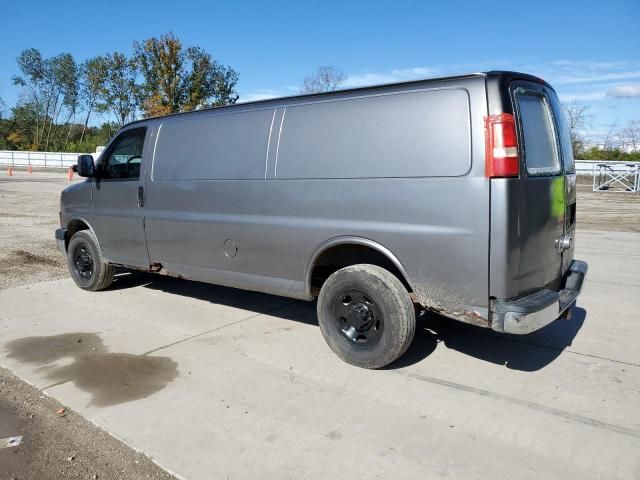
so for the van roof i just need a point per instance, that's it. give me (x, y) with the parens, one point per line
(501, 75)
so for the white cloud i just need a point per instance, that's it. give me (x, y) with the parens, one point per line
(582, 80)
(591, 65)
(578, 77)
(625, 91)
(352, 80)
(582, 96)
(396, 75)
(587, 72)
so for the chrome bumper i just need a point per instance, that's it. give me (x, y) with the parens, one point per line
(532, 312)
(60, 234)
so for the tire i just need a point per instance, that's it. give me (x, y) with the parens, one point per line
(87, 268)
(366, 315)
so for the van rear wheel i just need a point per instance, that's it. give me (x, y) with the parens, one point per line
(366, 315)
(87, 268)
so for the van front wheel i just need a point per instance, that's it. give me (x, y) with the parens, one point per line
(87, 268)
(366, 315)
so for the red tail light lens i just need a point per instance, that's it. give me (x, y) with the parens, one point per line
(501, 141)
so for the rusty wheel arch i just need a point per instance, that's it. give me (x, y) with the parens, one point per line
(340, 252)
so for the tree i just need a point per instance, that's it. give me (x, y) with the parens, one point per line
(36, 78)
(94, 75)
(578, 118)
(178, 79)
(19, 131)
(630, 136)
(120, 92)
(66, 84)
(208, 83)
(325, 79)
(52, 86)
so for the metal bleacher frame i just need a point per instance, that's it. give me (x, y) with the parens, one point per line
(607, 176)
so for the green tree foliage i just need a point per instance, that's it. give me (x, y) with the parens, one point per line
(93, 73)
(615, 154)
(52, 94)
(178, 79)
(60, 96)
(56, 91)
(120, 91)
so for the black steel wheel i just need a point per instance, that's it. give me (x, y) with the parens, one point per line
(83, 262)
(366, 315)
(87, 268)
(358, 318)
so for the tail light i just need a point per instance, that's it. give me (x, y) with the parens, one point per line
(501, 141)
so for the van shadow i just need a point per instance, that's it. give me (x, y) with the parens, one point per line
(518, 352)
(527, 353)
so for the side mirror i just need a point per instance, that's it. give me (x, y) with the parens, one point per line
(85, 166)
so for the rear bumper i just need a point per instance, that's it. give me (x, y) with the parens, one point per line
(532, 312)
(60, 234)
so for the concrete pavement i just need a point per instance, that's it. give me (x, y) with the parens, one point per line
(220, 383)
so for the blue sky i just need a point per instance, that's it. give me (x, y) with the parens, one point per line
(588, 50)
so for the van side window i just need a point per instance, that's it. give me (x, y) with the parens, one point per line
(124, 157)
(538, 134)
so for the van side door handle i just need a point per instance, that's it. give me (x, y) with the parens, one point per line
(141, 196)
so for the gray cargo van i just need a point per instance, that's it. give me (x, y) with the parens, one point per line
(453, 194)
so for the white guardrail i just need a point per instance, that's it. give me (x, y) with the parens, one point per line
(65, 160)
(38, 159)
(587, 167)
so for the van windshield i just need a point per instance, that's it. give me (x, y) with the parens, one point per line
(538, 134)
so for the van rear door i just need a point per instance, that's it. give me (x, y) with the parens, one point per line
(569, 167)
(542, 193)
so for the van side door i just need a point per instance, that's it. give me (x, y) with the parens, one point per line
(118, 200)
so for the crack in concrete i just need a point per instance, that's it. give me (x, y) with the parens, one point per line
(525, 403)
(218, 328)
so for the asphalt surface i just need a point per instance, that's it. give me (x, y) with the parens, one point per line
(213, 382)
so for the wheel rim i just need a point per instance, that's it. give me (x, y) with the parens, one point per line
(358, 318)
(83, 262)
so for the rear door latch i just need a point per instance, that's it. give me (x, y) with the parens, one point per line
(564, 243)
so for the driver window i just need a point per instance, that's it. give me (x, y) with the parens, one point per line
(125, 156)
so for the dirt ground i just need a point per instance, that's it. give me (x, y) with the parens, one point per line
(60, 444)
(608, 210)
(29, 206)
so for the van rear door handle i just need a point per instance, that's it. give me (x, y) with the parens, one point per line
(140, 196)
